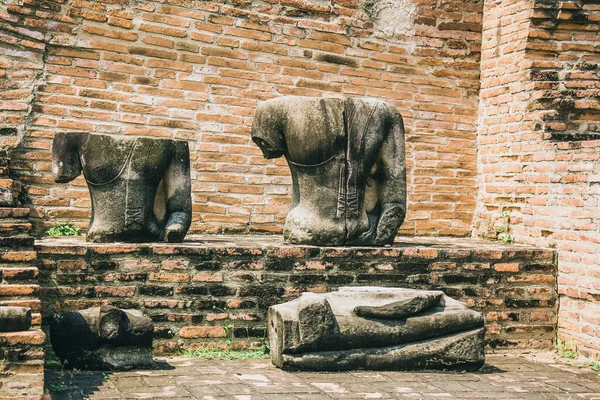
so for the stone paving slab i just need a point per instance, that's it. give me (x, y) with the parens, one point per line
(504, 376)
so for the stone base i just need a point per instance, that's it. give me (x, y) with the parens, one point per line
(22, 364)
(210, 288)
(463, 351)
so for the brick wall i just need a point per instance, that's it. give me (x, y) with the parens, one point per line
(195, 70)
(539, 170)
(193, 291)
(21, 64)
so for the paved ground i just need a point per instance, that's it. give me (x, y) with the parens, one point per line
(505, 376)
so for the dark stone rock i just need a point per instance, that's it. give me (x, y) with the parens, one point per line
(163, 333)
(339, 279)
(347, 163)
(8, 131)
(14, 319)
(250, 331)
(398, 329)
(103, 338)
(7, 197)
(210, 304)
(155, 290)
(193, 290)
(221, 290)
(104, 265)
(337, 59)
(140, 187)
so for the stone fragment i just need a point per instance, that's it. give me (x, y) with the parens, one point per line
(14, 319)
(323, 332)
(140, 187)
(103, 338)
(400, 309)
(346, 158)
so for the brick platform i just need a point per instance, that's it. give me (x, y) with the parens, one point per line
(195, 290)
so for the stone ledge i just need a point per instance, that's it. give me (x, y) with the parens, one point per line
(268, 241)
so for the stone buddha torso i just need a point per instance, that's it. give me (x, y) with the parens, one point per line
(123, 177)
(346, 158)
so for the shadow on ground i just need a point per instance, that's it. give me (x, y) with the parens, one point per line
(74, 384)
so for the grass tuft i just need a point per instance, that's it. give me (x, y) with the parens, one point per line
(217, 354)
(63, 230)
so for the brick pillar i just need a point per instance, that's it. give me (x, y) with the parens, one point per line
(21, 353)
(539, 142)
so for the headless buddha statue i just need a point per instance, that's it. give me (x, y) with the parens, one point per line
(377, 328)
(123, 177)
(346, 158)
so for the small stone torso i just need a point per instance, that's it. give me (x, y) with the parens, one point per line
(123, 177)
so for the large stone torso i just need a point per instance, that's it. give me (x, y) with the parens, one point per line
(333, 150)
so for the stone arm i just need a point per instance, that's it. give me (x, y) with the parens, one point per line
(267, 129)
(178, 194)
(66, 163)
(392, 185)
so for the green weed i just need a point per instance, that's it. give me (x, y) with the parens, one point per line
(215, 354)
(63, 230)
(502, 233)
(564, 350)
(593, 365)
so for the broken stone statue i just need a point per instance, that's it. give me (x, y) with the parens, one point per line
(103, 338)
(375, 328)
(14, 319)
(346, 158)
(140, 187)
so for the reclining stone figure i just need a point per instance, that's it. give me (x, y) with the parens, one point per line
(346, 158)
(375, 328)
(123, 177)
(103, 338)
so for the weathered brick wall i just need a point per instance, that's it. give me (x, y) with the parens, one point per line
(21, 63)
(195, 70)
(537, 175)
(193, 290)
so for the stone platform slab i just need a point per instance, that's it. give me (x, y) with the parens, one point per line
(217, 289)
(504, 376)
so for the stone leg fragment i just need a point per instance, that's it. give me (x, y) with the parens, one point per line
(103, 338)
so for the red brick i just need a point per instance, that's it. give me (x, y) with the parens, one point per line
(191, 332)
(169, 277)
(30, 337)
